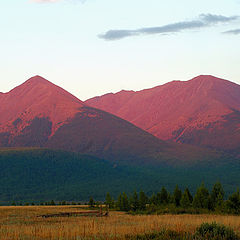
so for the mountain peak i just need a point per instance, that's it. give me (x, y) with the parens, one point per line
(38, 97)
(38, 79)
(205, 78)
(209, 82)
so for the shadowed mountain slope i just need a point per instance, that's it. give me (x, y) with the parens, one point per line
(36, 97)
(41, 114)
(204, 111)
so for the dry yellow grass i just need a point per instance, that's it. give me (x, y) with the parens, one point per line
(22, 223)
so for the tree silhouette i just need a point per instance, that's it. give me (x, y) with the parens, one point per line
(185, 201)
(201, 198)
(177, 195)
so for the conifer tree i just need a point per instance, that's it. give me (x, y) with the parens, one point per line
(163, 196)
(219, 202)
(125, 202)
(109, 201)
(189, 195)
(169, 197)
(216, 191)
(120, 202)
(134, 201)
(143, 199)
(185, 201)
(201, 198)
(91, 202)
(233, 203)
(177, 195)
(158, 199)
(153, 199)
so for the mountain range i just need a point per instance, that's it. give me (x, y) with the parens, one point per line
(177, 133)
(41, 114)
(204, 111)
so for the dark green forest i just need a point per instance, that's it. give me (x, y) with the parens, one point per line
(36, 175)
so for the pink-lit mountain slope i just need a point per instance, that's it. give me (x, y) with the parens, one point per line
(204, 111)
(41, 114)
(37, 97)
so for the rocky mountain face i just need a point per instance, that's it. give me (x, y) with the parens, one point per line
(204, 111)
(41, 114)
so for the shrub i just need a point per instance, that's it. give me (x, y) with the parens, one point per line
(206, 231)
(215, 231)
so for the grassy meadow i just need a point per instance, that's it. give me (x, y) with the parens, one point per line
(23, 223)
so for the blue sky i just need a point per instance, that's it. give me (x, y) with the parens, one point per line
(68, 42)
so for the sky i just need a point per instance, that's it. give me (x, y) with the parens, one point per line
(93, 47)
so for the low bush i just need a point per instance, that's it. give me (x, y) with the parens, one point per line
(215, 231)
(207, 231)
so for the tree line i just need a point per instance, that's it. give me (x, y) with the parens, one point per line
(177, 202)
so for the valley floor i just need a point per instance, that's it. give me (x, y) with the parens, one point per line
(22, 223)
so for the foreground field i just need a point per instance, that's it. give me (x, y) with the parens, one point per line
(22, 223)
